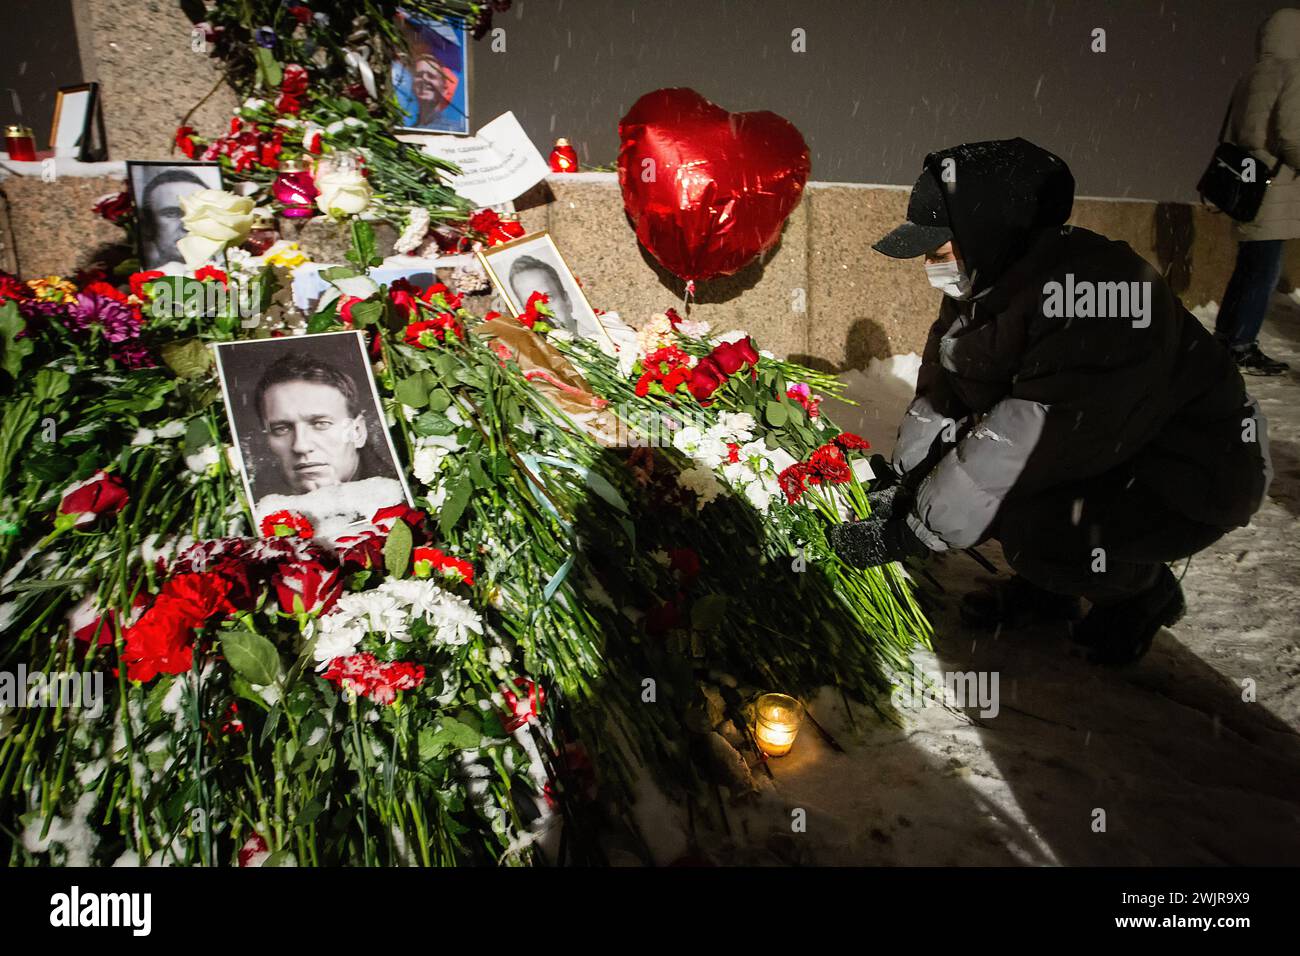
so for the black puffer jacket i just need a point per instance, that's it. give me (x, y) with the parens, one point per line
(1037, 400)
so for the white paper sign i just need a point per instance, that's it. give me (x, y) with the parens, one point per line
(497, 165)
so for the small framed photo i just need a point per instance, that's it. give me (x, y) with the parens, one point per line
(75, 111)
(156, 189)
(531, 264)
(431, 75)
(310, 429)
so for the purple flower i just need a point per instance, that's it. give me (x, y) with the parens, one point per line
(133, 357)
(116, 319)
(38, 313)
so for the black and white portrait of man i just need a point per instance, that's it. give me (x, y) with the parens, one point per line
(534, 264)
(310, 428)
(157, 189)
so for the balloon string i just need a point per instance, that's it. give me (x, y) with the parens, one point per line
(687, 295)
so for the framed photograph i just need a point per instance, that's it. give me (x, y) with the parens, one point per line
(75, 111)
(431, 76)
(156, 189)
(531, 264)
(310, 429)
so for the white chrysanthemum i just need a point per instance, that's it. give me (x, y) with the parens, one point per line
(413, 234)
(739, 425)
(687, 440)
(702, 482)
(427, 462)
(203, 459)
(336, 636)
(456, 619)
(172, 429)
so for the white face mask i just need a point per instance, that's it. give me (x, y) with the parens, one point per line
(948, 278)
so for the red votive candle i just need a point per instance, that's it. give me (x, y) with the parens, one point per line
(20, 144)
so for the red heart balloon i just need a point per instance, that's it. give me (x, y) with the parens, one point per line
(707, 190)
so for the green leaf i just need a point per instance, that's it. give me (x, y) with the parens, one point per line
(708, 613)
(454, 506)
(48, 384)
(338, 272)
(268, 67)
(13, 349)
(366, 313)
(439, 400)
(397, 549)
(431, 423)
(362, 253)
(413, 391)
(188, 358)
(776, 414)
(308, 814)
(251, 655)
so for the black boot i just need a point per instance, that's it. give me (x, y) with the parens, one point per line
(1121, 633)
(1016, 603)
(1251, 361)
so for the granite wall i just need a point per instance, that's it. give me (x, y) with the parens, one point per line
(821, 294)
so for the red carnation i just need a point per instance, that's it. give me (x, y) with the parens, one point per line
(101, 493)
(426, 561)
(140, 279)
(792, 481)
(161, 642)
(209, 272)
(851, 442)
(829, 466)
(423, 335)
(366, 676)
(384, 518)
(525, 706)
(286, 524)
(185, 141)
(295, 78)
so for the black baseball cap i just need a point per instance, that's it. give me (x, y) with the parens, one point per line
(926, 228)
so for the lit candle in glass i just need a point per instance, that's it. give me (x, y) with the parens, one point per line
(776, 723)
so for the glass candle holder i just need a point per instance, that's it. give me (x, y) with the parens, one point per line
(20, 144)
(776, 723)
(295, 189)
(564, 158)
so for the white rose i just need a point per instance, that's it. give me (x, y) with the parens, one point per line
(343, 192)
(213, 220)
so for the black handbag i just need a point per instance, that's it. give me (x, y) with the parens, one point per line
(1232, 181)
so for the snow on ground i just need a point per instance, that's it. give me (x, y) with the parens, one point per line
(1170, 761)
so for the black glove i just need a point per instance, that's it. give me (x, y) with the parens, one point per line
(894, 502)
(871, 543)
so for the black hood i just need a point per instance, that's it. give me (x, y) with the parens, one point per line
(998, 194)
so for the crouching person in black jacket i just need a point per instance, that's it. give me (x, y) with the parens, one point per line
(1067, 405)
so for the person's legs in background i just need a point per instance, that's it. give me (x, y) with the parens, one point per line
(1245, 303)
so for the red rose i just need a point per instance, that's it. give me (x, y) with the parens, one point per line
(364, 551)
(288, 103)
(307, 587)
(286, 524)
(302, 14)
(384, 518)
(706, 378)
(115, 207)
(687, 562)
(101, 493)
(521, 708)
(295, 78)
